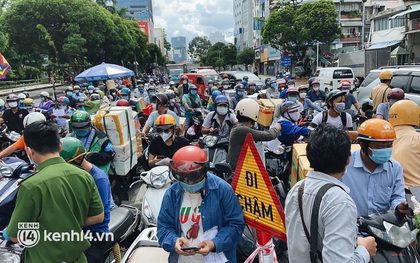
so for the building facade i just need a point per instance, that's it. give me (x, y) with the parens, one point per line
(217, 37)
(159, 40)
(179, 48)
(142, 12)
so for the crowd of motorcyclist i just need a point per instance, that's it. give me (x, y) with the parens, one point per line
(376, 181)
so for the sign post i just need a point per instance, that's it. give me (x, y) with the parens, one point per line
(260, 204)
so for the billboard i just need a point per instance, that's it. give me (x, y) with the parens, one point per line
(144, 26)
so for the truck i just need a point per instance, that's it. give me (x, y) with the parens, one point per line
(356, 61)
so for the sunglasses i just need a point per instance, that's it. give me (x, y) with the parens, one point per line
(163, 130)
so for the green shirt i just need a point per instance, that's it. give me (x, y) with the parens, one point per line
(92, 106)
(60, 197)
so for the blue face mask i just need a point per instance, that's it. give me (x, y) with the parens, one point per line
(141, 90)
(193, 92)
(124, 97)
(381, 156)
(82, 108)
(274, 85)
(152, 93)
(292, 99)
(195, 187)
(81, 133)
(69, 93)
(240, 93)
(210, 85)
(42, 98)
(76, 92)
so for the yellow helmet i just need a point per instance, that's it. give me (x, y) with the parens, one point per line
(404, 112)
(76, 87)
(165, 121)
(385, 75)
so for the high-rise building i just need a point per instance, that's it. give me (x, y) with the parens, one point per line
(179, 47)
(160, 40)
(142, 12)
(243, 28)
(217, 37)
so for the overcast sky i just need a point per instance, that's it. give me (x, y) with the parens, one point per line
(191, 18)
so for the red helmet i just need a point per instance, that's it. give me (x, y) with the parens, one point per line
(184, 77)
(123, 103)
(315, 81)
(189, 164)
(345, 82)
(396, 94)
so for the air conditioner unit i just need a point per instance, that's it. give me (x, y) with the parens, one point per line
(357, 34)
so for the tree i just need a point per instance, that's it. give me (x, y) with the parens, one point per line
(167, 45)
(247, 56)
(295, 28)
(155, 56)
(198, 47)
(229, 54)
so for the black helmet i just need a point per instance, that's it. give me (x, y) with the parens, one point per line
(239, 87)
(162, 98)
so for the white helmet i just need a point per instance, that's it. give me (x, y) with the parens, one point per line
(151, 80)
(33, 117)
(44, 94)
(21, 96)
(171, 83)
(248, 108)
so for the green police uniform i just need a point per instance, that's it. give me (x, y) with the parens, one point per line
(60, 197)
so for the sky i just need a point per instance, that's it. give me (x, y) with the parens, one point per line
(191, 18)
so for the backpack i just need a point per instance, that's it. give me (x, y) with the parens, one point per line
(343, 117)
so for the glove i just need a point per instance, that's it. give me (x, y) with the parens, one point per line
(416, 205)
(6, 237)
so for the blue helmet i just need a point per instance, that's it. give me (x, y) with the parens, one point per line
(125, 91)
(244, 83)
(215, 94)
(221, 99)
(91, 87)
(192, 86)
(95, 96)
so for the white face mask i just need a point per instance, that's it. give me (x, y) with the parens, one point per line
(225, 86)
(294, 116)
(165, 136)
(184, 81)
(316, 89)
(13, 104)
(302, 95)
(222, 110)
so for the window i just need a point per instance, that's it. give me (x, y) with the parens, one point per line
(415, 84)
(398, 21)
(343, 74)
(381, 24)
(200, 80)
(400, 82)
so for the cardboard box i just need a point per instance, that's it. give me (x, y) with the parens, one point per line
(124, 151)
(300, 163)
(270, 103)
(139, 145)
(266, 112)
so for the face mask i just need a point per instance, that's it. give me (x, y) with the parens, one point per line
(339, 107)
(240, 93)
(193, 92)
(82, 133)
(125, 97)
(225, 86)
(292, 99)
(69, 93)
(76, 92)
(62, 107)
(82, 108)
(42, 99)
(316, 89)
(31, 160)
(152, 93)
(294, 116)
(392, 101)
(29, 108)
(381, 156)
(165, 136)
(113, 93)
(184, 82)
(195, 187)
(222, 110)
(302, 95)
(90, 91)
(273, 86)
(13, 104)
(210, 85)
(141, 90)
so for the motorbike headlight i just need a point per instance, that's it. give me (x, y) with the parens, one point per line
(279, 150)
(159, 180)
(398, 236)
(6, 171)
(210, 141)
(147, 211)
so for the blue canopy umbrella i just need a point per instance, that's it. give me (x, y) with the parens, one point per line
(104, 71)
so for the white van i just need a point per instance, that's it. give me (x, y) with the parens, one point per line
(331, 77)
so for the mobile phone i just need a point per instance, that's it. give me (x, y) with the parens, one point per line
(161, 157)
(189, 249)
(415, 190)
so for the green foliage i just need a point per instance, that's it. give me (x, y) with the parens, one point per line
(166, 45)
(69, 32)
(198, 47)
(294, 28)
(219, 55)
(247, 56)
(229, 54)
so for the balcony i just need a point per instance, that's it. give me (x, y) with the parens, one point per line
(350, 39)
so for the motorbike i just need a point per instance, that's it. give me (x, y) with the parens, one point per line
(394, 234)
(12, 171)
(145, 248)
(194, 131)
(7, 137)
(158, 180)
(216, 148)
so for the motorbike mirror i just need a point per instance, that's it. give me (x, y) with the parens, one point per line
(223, 168)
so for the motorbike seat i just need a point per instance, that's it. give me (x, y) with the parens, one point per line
(149, 254)
(120, 220)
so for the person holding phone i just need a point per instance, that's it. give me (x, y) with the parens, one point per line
(200, 213)
(167, 143)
